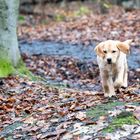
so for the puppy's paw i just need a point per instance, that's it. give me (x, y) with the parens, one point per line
(110, 94)
(118, 84)
(105, 94)
(124, 85)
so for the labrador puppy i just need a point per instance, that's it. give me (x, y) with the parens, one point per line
(112, 61)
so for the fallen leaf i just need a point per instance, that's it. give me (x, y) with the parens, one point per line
(137, 112)
(30, 120)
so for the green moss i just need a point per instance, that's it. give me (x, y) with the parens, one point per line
(102, 109)
(22, 70)
(82, 11)
(120, 120)
(6, 68)
(21, 19)
(59, 17)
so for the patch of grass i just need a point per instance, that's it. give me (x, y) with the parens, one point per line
(63, 16)
(21, 19)
(120, 120)
(6, 68)
(82, 11)
(22, 69)
(102, 109)
(59, 17)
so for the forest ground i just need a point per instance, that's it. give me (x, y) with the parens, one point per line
(32, 108)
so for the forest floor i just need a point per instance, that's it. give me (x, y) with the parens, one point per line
(65, 100)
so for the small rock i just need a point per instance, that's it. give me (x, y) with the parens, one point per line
(40, 123)
(81, 130)
(128, 128)
(67, 136)
(17, 136)
(114, 33)
(45, 129)
(53, 71)
(77, 125)
(136, 137)
(86, 137)
(137, 130)
(81, 115)
(54, 120)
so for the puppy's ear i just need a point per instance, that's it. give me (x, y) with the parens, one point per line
(124, 46)
(99, 49)
(129, 41)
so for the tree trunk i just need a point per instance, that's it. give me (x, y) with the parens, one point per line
(9, 51)
(138, 3)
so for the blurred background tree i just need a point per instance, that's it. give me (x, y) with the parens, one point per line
(9, 51)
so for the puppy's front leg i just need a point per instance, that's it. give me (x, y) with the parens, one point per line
(107, 84)
(119, 79)
(125, 82)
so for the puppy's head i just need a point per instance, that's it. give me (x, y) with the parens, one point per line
(110, 50)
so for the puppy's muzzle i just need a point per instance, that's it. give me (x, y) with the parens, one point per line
(109, 60)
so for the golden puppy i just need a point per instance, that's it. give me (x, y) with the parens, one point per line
(111, 58)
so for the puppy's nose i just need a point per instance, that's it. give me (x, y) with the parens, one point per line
(109, 61)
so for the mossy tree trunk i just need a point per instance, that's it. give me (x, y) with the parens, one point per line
(9, 51)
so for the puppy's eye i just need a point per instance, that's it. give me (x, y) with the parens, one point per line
(105, 51)
(113, 51)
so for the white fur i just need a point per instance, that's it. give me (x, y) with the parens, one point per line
(112, 75)
(117, 71)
